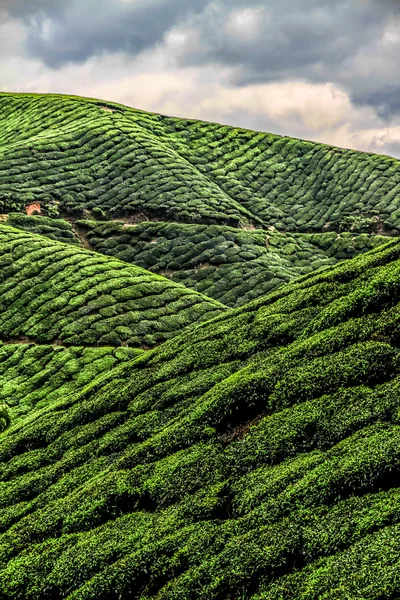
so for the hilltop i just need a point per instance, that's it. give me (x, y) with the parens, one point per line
(228, 212)
(81, 154)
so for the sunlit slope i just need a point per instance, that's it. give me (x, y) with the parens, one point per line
(115, 161)
(52, 292)
(231, 265)
(81, 155)
(255, 456)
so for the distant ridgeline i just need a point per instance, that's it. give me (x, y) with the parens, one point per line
(74, 155)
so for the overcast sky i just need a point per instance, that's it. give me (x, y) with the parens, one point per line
(325, 70)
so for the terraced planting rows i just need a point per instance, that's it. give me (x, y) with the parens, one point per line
(56, 293)
(33, 376)
(54, 229)
(255, 456)
(231, 265)
(75, 154)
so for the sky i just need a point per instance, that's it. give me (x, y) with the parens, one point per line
(325, 70)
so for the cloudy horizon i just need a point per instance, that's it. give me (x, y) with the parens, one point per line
(324, 71)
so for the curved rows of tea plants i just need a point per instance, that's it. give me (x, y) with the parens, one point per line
(231, 265)
(32, 376)
(54, 229)
(75, 154)
(255, 456)
(79, 154)
(293, 184)
(56, 293)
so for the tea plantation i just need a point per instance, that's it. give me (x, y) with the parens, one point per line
(74, 154)
(199, 360)
(255, 456)
(32, 375)
(231, 265)
(52, 292)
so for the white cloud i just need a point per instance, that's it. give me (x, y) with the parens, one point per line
(246, 24)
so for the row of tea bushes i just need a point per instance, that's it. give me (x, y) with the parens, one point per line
(254, 456)
(55, 229)
(54, 292)
(231, 265)
(32, 376)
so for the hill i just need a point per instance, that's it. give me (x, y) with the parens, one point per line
(75, 155)
(56, 293)
(227, 212)
(256, 456)
(231, 265)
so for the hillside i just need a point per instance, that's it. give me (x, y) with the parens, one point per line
(199, 360)
(77, 155)
(34, 375)
(226, 212)
(255, 456)
(231, 265)
(56, 293)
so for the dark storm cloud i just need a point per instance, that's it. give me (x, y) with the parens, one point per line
(340, 41)
(310, 39)
(302, 38)
(386, 100)
(75, 30)
(25, 8)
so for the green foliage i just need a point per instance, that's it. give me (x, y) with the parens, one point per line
(54, 229)
(33, 376)
(5, 417)
(52, 292)
(254, 456)
(231, 265)
(257, 453)
(124, 162)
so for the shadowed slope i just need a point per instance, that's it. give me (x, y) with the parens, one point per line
(255, 456)
(55, 229)
(230, 265)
